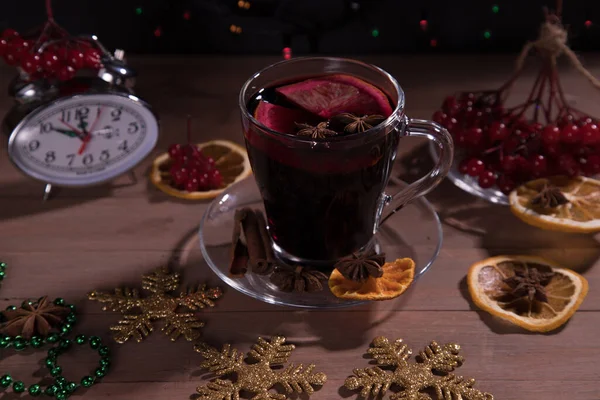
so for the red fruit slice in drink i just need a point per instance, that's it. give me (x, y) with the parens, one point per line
(334, 94)
(280, 119)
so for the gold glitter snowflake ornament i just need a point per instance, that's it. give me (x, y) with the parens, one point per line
(256, 376)
(139, 313)
(415, 378)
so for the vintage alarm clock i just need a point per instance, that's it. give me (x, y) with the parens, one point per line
(82, 132)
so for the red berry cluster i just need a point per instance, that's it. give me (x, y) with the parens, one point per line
(503, 149)
(191, 170)
(47, 57)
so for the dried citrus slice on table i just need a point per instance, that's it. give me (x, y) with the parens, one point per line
(559, 203)
(397, 277)
(230, 159)
(529, 291)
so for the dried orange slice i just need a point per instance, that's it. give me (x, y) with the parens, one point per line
(397, 277)
(230, 159)
(528, 291)
(535, 203)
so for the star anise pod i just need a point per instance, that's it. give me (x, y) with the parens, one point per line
(321, 131)
(359, 266)
(33, 318)
(356, 124)
(549, 197)
(529, 282)
(298, 279)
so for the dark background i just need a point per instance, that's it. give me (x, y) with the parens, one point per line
(309, 26)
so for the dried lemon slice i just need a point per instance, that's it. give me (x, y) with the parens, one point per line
(528, 291)
(397, 277)
(230, 159)
(559, 204)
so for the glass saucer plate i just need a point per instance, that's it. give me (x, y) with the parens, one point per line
(414, 231)
(468, 183)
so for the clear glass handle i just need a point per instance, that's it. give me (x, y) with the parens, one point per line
(442, 139)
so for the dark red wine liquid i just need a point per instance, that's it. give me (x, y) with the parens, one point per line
(320, 205)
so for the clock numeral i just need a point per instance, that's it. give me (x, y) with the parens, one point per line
(34, 145)
(123, 146)
(50, 157)
(88, 159)
(104, 156)
(116, 114)
(65, 115)
(81, 113)
(133, 127)
(71, 158)
(45, 127)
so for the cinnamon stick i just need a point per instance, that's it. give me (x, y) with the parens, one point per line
(239, 252)
(254, 243)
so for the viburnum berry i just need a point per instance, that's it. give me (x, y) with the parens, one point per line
(511, 144)
(571, 134)
(180, 176)
(65, 72)
(591, 166)
(440, 117)
(460, 139)
(92, 58)
(30, 63)
(475, 167)
(210, 161)
(505, 184)
(192, 185)
(215, 179)
(551, 134)
(3, 46)
(75, 59)
(203, 182)
(497, 131)
(473, 137)
(590, 134)
(463, 166)
(50, 61)
(539, 165)
(175, 151)
(9, 33)
(567, 165)
(450, 105)
(509, 164)
(487, 179)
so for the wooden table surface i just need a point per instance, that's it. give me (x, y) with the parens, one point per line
(108, 236)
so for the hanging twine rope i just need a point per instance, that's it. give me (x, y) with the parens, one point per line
(551, 43)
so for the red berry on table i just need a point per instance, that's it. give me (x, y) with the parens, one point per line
(475, 167)
(551, 134)
(31, 63)
(463, 167)
(450, 105)
(567, 165)
(3, 46)
(192, 185)
(590, 134)
(539, 165)
(571, 133)
(75, 59)
(215, 180)
(487, 179)
(175, 151)
(203, 181)
(460, 139)
(510, 164)
(9, 33)
(497, 131)
(440, 117)
(50, 61)
(92, 58)
(65, 72)
(474, 136)
(505, 184)
(592, 164)
(452, 125)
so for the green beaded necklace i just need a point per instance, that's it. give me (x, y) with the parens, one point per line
(60, 388)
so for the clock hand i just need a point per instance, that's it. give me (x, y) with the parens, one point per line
(67, 132)
(83, 145)
(79, 134)
(98, 115)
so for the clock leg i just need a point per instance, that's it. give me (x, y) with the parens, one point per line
(133, 177)
(47, 191)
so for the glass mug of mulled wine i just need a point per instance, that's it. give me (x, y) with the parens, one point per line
(322, 136)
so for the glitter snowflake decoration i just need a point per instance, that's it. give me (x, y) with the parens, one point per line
(139, 313)
(256, 375)
(415, 378)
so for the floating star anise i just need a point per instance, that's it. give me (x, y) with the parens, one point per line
(356, 124)
(529, 282)
(298, 279)
(549, 197)
(321, 131)
(359, 266)
(33, 318)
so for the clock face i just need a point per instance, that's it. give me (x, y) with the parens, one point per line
(84, 139)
